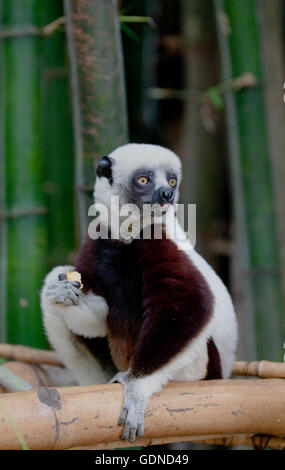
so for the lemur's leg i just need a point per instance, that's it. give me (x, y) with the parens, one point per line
(68, 312)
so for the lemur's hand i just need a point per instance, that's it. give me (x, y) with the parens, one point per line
(132, 414)
(64, 292)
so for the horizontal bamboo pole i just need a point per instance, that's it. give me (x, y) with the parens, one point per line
(73, 417)
(263, 369)
(27, 354)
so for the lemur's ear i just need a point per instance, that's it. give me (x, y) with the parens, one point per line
(104, 168)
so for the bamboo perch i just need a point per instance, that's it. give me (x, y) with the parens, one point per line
(30, 355)
(263, 369)
(73, 417)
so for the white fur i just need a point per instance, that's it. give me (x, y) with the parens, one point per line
(126, 160)
(222, 326)
(130, 157)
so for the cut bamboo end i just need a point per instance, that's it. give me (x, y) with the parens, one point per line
(73, 417)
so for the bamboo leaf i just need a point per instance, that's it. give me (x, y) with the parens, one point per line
(129, 32)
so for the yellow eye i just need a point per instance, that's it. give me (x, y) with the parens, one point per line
(142, 180)
(172, 182)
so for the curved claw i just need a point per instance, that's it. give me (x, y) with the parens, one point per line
(120, 377)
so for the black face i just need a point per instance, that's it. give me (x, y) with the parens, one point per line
(146, 189)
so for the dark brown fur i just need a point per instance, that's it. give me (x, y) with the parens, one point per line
(214, 369)
(177, 303)
(158, 299)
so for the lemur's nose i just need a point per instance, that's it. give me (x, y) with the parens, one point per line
(166, 195)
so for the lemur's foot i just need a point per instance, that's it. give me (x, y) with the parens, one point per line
(132, 414)
(64, 292)
(121, 377)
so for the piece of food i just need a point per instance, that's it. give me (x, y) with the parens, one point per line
(74, 276)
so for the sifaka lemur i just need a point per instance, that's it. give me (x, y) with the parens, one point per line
(151, 309)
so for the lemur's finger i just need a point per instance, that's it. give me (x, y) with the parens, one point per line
(132, 433)
(76, 284)
(62, 299)
(123, 416)
(140, 430)
(64, 285)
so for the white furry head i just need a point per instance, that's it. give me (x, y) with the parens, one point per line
(126, 160)
(144, 179)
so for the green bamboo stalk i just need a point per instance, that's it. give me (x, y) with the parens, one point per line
(3, 223)
(99, 105)
(58, 143)
(240, 44)
(140, 48)
(270, 14)
(149, 72)
(23, 210)
(204, 162)
(132, 43)
(241, 285)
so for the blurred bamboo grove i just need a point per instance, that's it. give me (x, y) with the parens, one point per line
(203, 77)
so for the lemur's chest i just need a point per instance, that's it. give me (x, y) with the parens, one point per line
(118, 271)
(127, 275)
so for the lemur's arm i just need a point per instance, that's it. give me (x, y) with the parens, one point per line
(67, 312)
